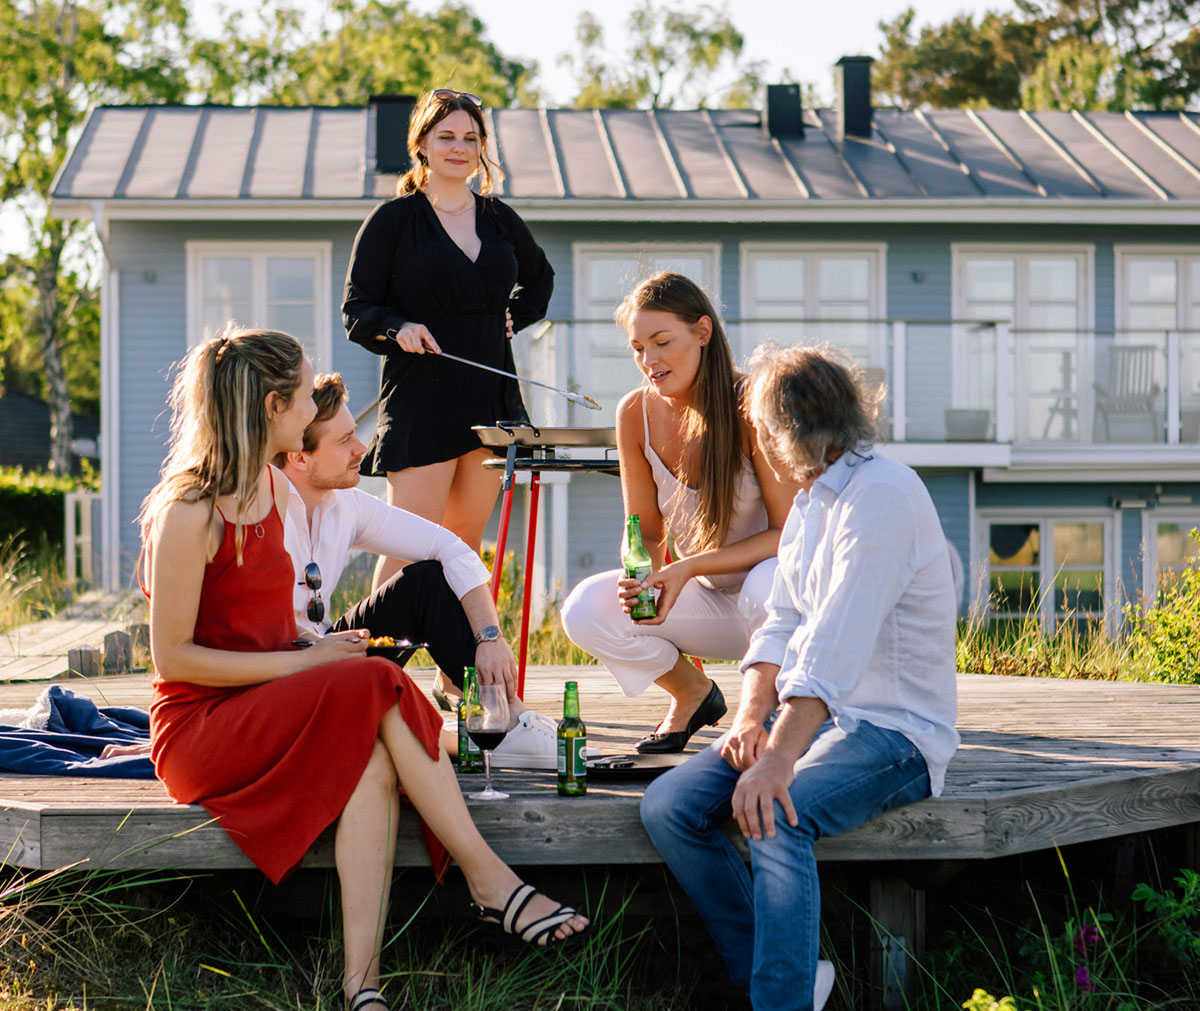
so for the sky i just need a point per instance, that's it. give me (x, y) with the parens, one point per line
(803, 36)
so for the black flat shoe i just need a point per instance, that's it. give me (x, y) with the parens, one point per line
(710, 711)
(443, 700)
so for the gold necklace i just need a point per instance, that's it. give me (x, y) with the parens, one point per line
(458, 210)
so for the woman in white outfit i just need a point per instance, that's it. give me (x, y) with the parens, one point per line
(691, 469)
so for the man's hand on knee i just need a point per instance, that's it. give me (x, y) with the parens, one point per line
(757, 790)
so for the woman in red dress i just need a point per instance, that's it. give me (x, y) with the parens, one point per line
(274, 741)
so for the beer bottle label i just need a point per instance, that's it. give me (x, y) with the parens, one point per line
(562, 756)
(578, 759)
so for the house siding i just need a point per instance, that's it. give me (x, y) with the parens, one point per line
(151, 257)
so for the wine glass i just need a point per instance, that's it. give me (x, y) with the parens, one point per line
(487, 723)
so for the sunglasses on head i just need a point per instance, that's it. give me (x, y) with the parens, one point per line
(316, 606)
(447, 94)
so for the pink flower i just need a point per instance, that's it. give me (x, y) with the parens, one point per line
(1083, 979)
(1086, 937)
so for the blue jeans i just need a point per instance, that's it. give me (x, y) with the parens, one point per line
(767, 926)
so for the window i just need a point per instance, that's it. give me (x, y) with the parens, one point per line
(782, 283)
(604, 275)
(1159, 291)
(1169, 547)
(1045, 295)
(1054, 568)
(281, 286)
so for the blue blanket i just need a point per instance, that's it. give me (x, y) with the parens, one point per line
(75, 734)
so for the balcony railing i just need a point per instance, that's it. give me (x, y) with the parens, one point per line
(946, 380)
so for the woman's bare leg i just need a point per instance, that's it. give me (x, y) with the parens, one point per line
(473, 494)
(421, 490)
(363, 848)
(434, 792)
(687, 685)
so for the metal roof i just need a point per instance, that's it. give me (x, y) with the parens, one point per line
(628, 157)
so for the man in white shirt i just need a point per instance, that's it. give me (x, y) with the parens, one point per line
(849, 699)
(442, 597)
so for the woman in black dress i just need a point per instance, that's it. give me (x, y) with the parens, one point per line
(441, 268)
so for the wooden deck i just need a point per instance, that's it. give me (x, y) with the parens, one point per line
(1043, 762)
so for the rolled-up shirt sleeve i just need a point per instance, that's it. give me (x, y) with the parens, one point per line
(871, 563)
(769, 643)
(387, 530)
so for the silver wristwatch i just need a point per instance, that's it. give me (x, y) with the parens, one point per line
(489, 633)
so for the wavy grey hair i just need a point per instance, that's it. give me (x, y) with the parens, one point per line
(812, 404)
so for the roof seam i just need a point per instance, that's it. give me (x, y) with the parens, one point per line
(792, 170)
(1164, 145)
(895, 153)
(494, 140)
(252, 154)
(136, 150)
(1061, 151)
(193, 158)
(552, 150)
(610, 152)
(729, 163)
(837, 153)
(1143, 176)
(307, 179)
(685, 191)
(1004, 149)
(946, 146)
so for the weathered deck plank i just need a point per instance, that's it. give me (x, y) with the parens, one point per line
(1044, 762)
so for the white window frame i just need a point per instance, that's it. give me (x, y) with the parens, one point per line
(259, 252)
(1187, 516)
(813, 253)
(1184, 319)
(1046, 518)
(960, 253)
(580, 365)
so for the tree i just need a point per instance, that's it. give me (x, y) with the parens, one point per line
(359, 50)
(57, 59)
(1049, 54)
(674, 56)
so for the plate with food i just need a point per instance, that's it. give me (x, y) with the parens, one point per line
(399, 650)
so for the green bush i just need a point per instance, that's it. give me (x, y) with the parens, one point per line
(31, 504)
(1167, 633)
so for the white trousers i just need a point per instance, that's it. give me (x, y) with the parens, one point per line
(702, 623)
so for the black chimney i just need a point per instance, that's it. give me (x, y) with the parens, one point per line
(389, 116)
(854, 95)
(783, 115)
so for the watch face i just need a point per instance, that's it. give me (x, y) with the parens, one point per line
(489, 634)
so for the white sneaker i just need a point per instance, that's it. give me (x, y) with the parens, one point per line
(823, 985)
(531, 744)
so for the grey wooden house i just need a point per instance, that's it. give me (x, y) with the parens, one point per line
(1027, 286)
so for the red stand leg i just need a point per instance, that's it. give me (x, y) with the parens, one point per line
(535, 487)
(501, 541)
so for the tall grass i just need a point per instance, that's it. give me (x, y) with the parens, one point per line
(32, 582)
(79, 939)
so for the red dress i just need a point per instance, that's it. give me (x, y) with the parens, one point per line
(275, 762)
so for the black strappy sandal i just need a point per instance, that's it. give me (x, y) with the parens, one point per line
(367, 1000)
(539, 933)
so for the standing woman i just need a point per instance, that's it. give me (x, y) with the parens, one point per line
(690, 467)
(275, 741)
(437, 268)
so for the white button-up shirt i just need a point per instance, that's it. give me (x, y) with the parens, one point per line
(862, 614)
(349, 518)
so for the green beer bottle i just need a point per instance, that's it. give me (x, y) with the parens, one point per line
(470, 758)
(637, 566)
(572, 740)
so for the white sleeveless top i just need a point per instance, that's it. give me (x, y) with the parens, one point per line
(679, 503)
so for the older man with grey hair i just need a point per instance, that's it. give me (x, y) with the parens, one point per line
(849, 700)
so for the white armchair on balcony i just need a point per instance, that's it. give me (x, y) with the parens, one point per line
(1131, 391)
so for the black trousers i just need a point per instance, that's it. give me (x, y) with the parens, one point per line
(418, 604)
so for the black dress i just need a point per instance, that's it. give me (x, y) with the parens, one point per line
(405, 267)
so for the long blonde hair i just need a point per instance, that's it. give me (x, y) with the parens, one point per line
(428, 112)
(218, 443)
(712, 427)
